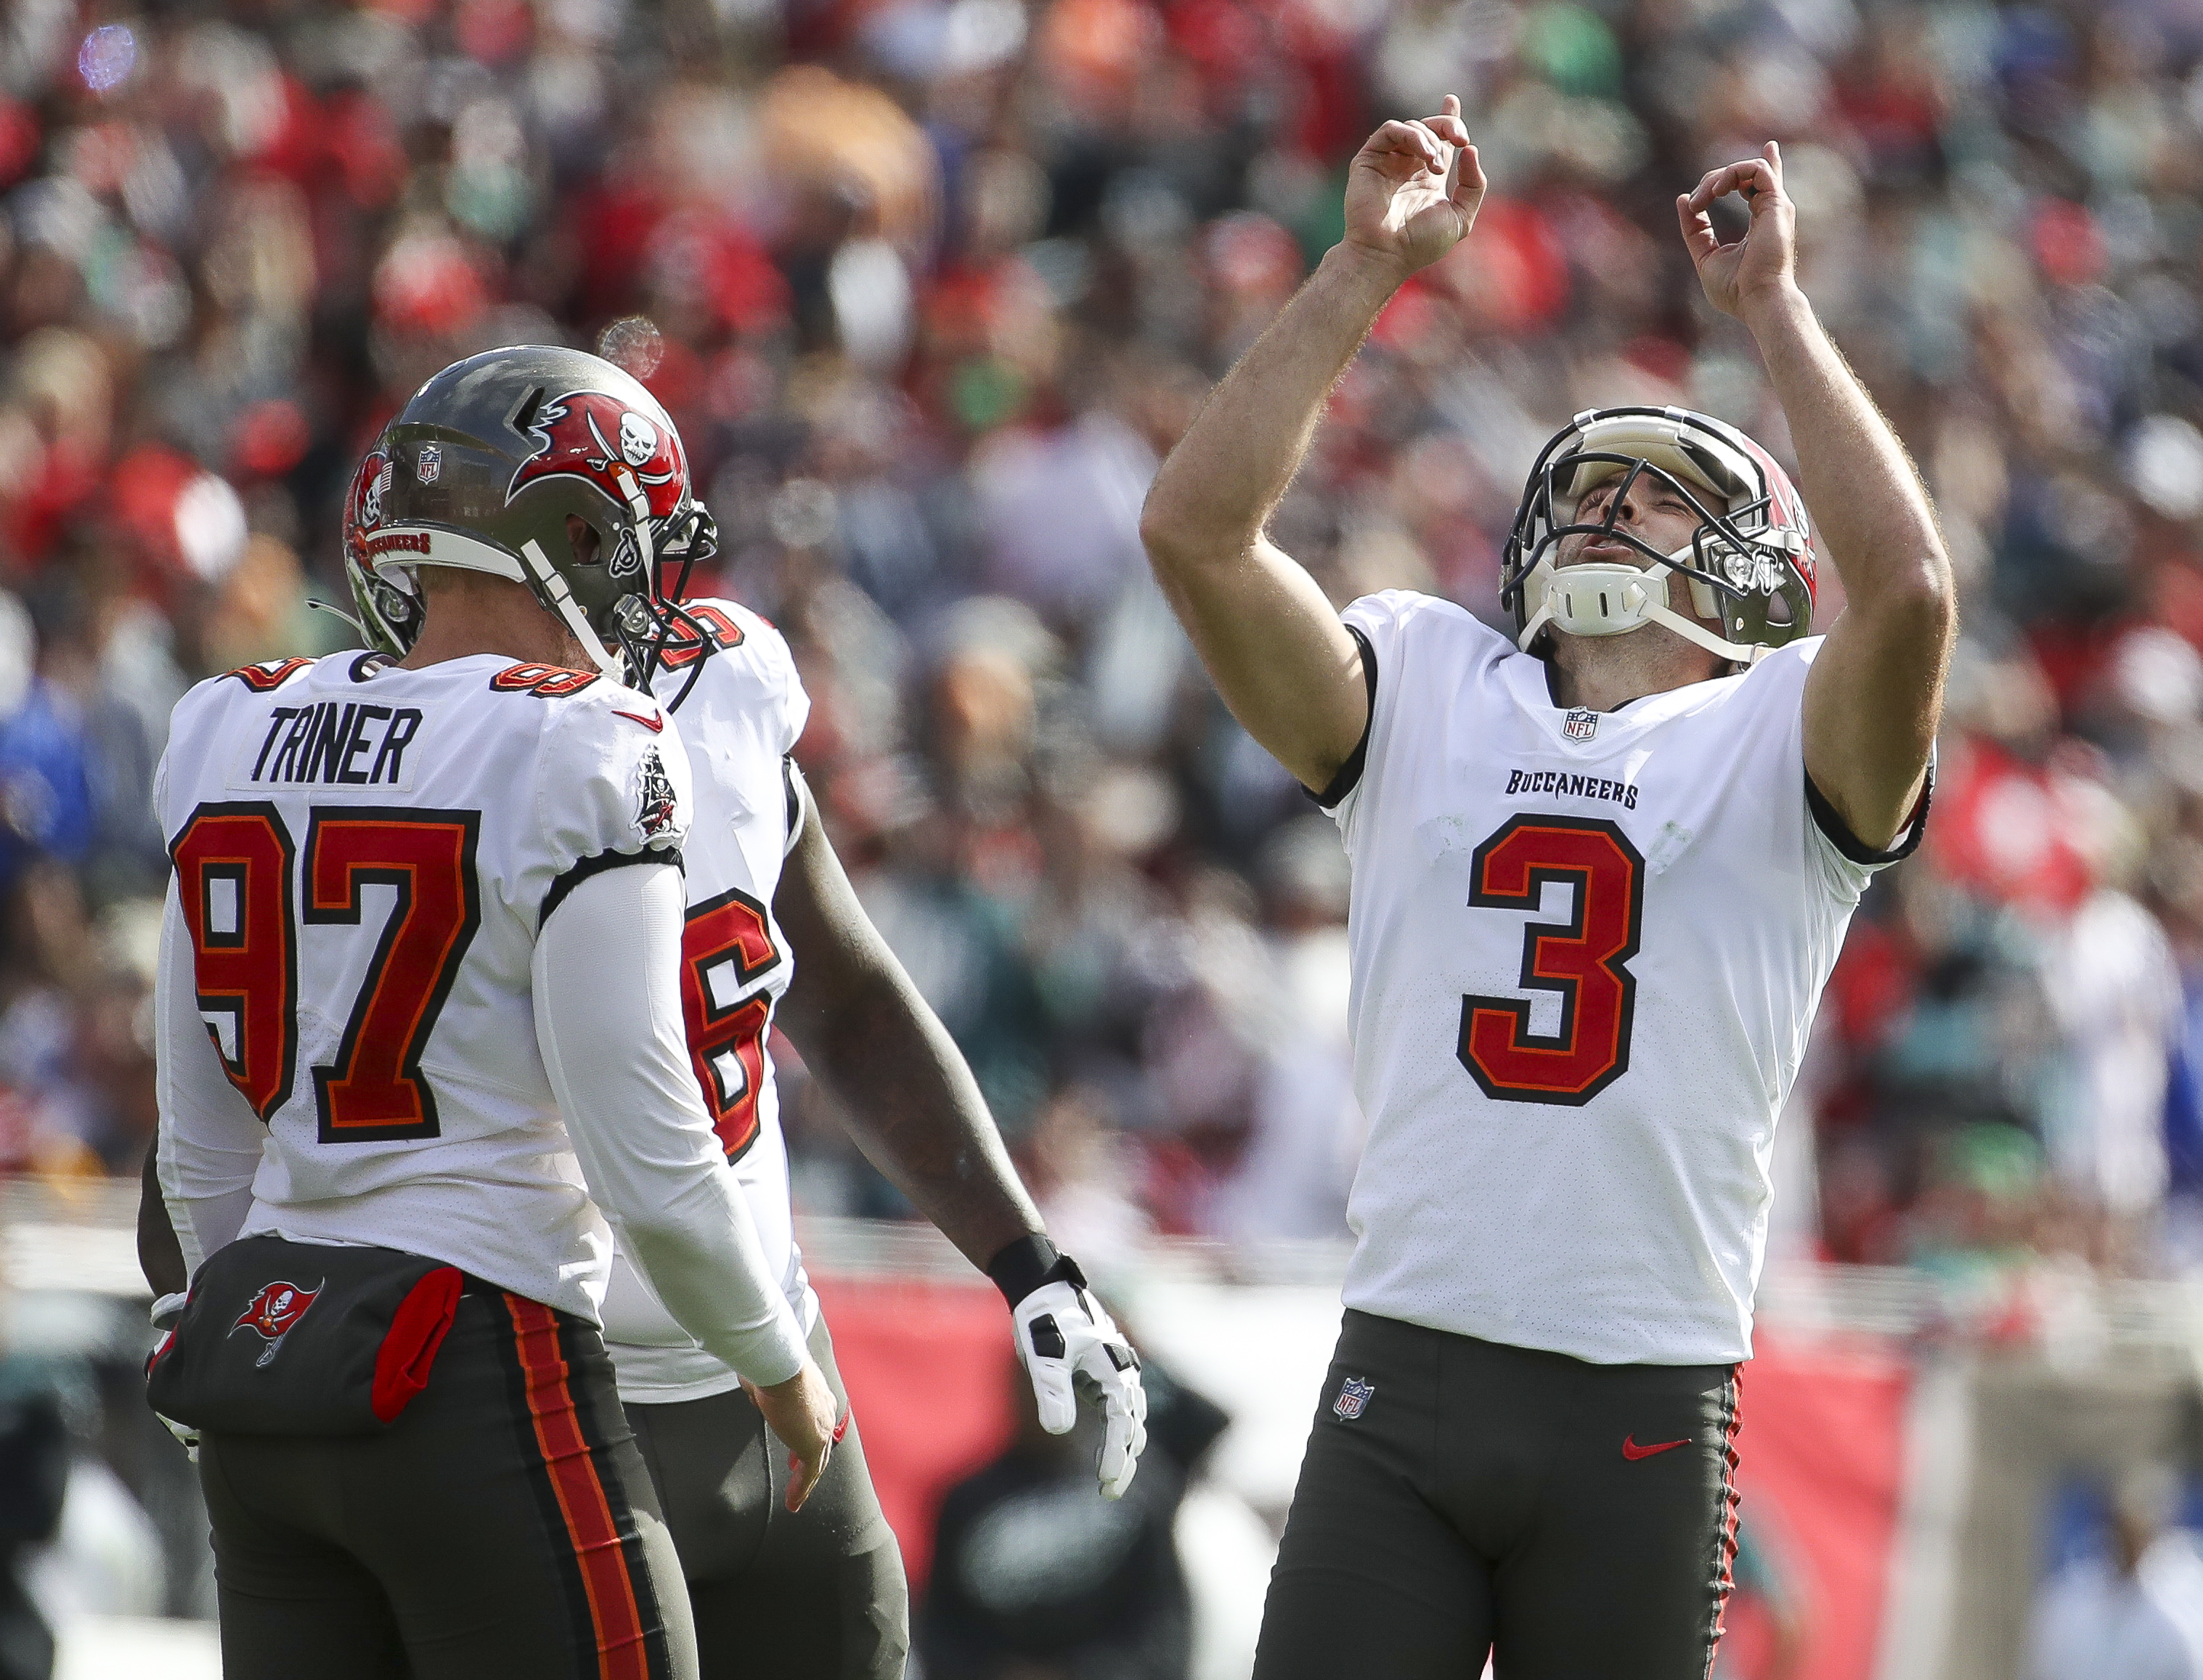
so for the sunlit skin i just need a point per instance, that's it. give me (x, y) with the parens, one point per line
(1653, 512)
(1586, 671)
(1273, 643)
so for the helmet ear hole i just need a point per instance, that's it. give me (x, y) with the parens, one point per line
(1778, 611)
(589, 547)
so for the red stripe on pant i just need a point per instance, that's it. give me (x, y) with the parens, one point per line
(590, 1525)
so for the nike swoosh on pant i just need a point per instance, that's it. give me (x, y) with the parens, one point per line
(1630, 1449)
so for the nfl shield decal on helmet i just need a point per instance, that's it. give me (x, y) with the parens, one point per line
(1353, 1399)
(1580, 724)
(428, 464)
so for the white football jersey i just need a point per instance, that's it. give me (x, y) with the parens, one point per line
(739, 722)
(1586, 950)
(363, 855)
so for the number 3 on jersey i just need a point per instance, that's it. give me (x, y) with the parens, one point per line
(234, 879)
(1585, 959)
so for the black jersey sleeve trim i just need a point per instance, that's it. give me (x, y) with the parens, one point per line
(1831, 822)
(596, 865)
(1349, 772)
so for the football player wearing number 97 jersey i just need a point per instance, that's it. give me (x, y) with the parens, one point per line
(772, 933)
(1602, 868)
(419, 1001)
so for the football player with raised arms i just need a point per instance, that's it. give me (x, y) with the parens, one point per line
(419, 1001)
(774, 935)
(1601, 869)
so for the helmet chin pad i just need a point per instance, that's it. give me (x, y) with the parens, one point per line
(1603, 597)
(1612, 598)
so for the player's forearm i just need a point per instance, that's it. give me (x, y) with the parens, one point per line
(914, 1109)
(1232, 466)
(207, 1149)
(870, 1038)
(701, 1251)
(1875, 521)
(160, 1256)
(614, 1050)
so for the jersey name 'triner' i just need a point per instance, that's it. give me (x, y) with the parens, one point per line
(363, 856)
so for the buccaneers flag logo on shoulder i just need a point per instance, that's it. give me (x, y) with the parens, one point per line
(656, 809)
(273, 1313)
(589, 434)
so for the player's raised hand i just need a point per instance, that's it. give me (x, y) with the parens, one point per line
(1067, 1341)
(1763, 262)
(801, 1412)
(1413, 190)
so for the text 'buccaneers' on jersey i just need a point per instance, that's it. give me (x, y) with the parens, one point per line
(363, 857)
(1586, 948)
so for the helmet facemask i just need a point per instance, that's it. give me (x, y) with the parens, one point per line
(686, 539)
(1748, 564)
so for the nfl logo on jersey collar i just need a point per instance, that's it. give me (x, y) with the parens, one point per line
(1580, 724)
(1353, 1400)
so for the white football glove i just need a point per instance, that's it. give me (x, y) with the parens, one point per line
(166, 1311)
(185, 1434)
(1066, 1338)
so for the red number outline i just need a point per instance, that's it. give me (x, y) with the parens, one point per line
(225, 841)
(270, 675)
(683, 647)
(549, 682)
(1590, 1051)
(428, 855)
(734, 925)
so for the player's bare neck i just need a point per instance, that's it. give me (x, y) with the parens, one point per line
(469, 613)
(1604, 673)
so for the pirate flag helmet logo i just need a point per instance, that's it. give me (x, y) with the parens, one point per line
(622, 452)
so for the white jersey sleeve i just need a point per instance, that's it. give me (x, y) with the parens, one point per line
(791, 703)
(208, 1142)
(618, 1060)
(604, 797)
(1391, 628)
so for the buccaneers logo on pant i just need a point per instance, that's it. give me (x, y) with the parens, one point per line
(273, 1313)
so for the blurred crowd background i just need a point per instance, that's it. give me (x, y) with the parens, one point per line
(931, 286)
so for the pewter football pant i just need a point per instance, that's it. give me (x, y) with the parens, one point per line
(817, 1595)
(502, 1528)
(1460, 1497)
